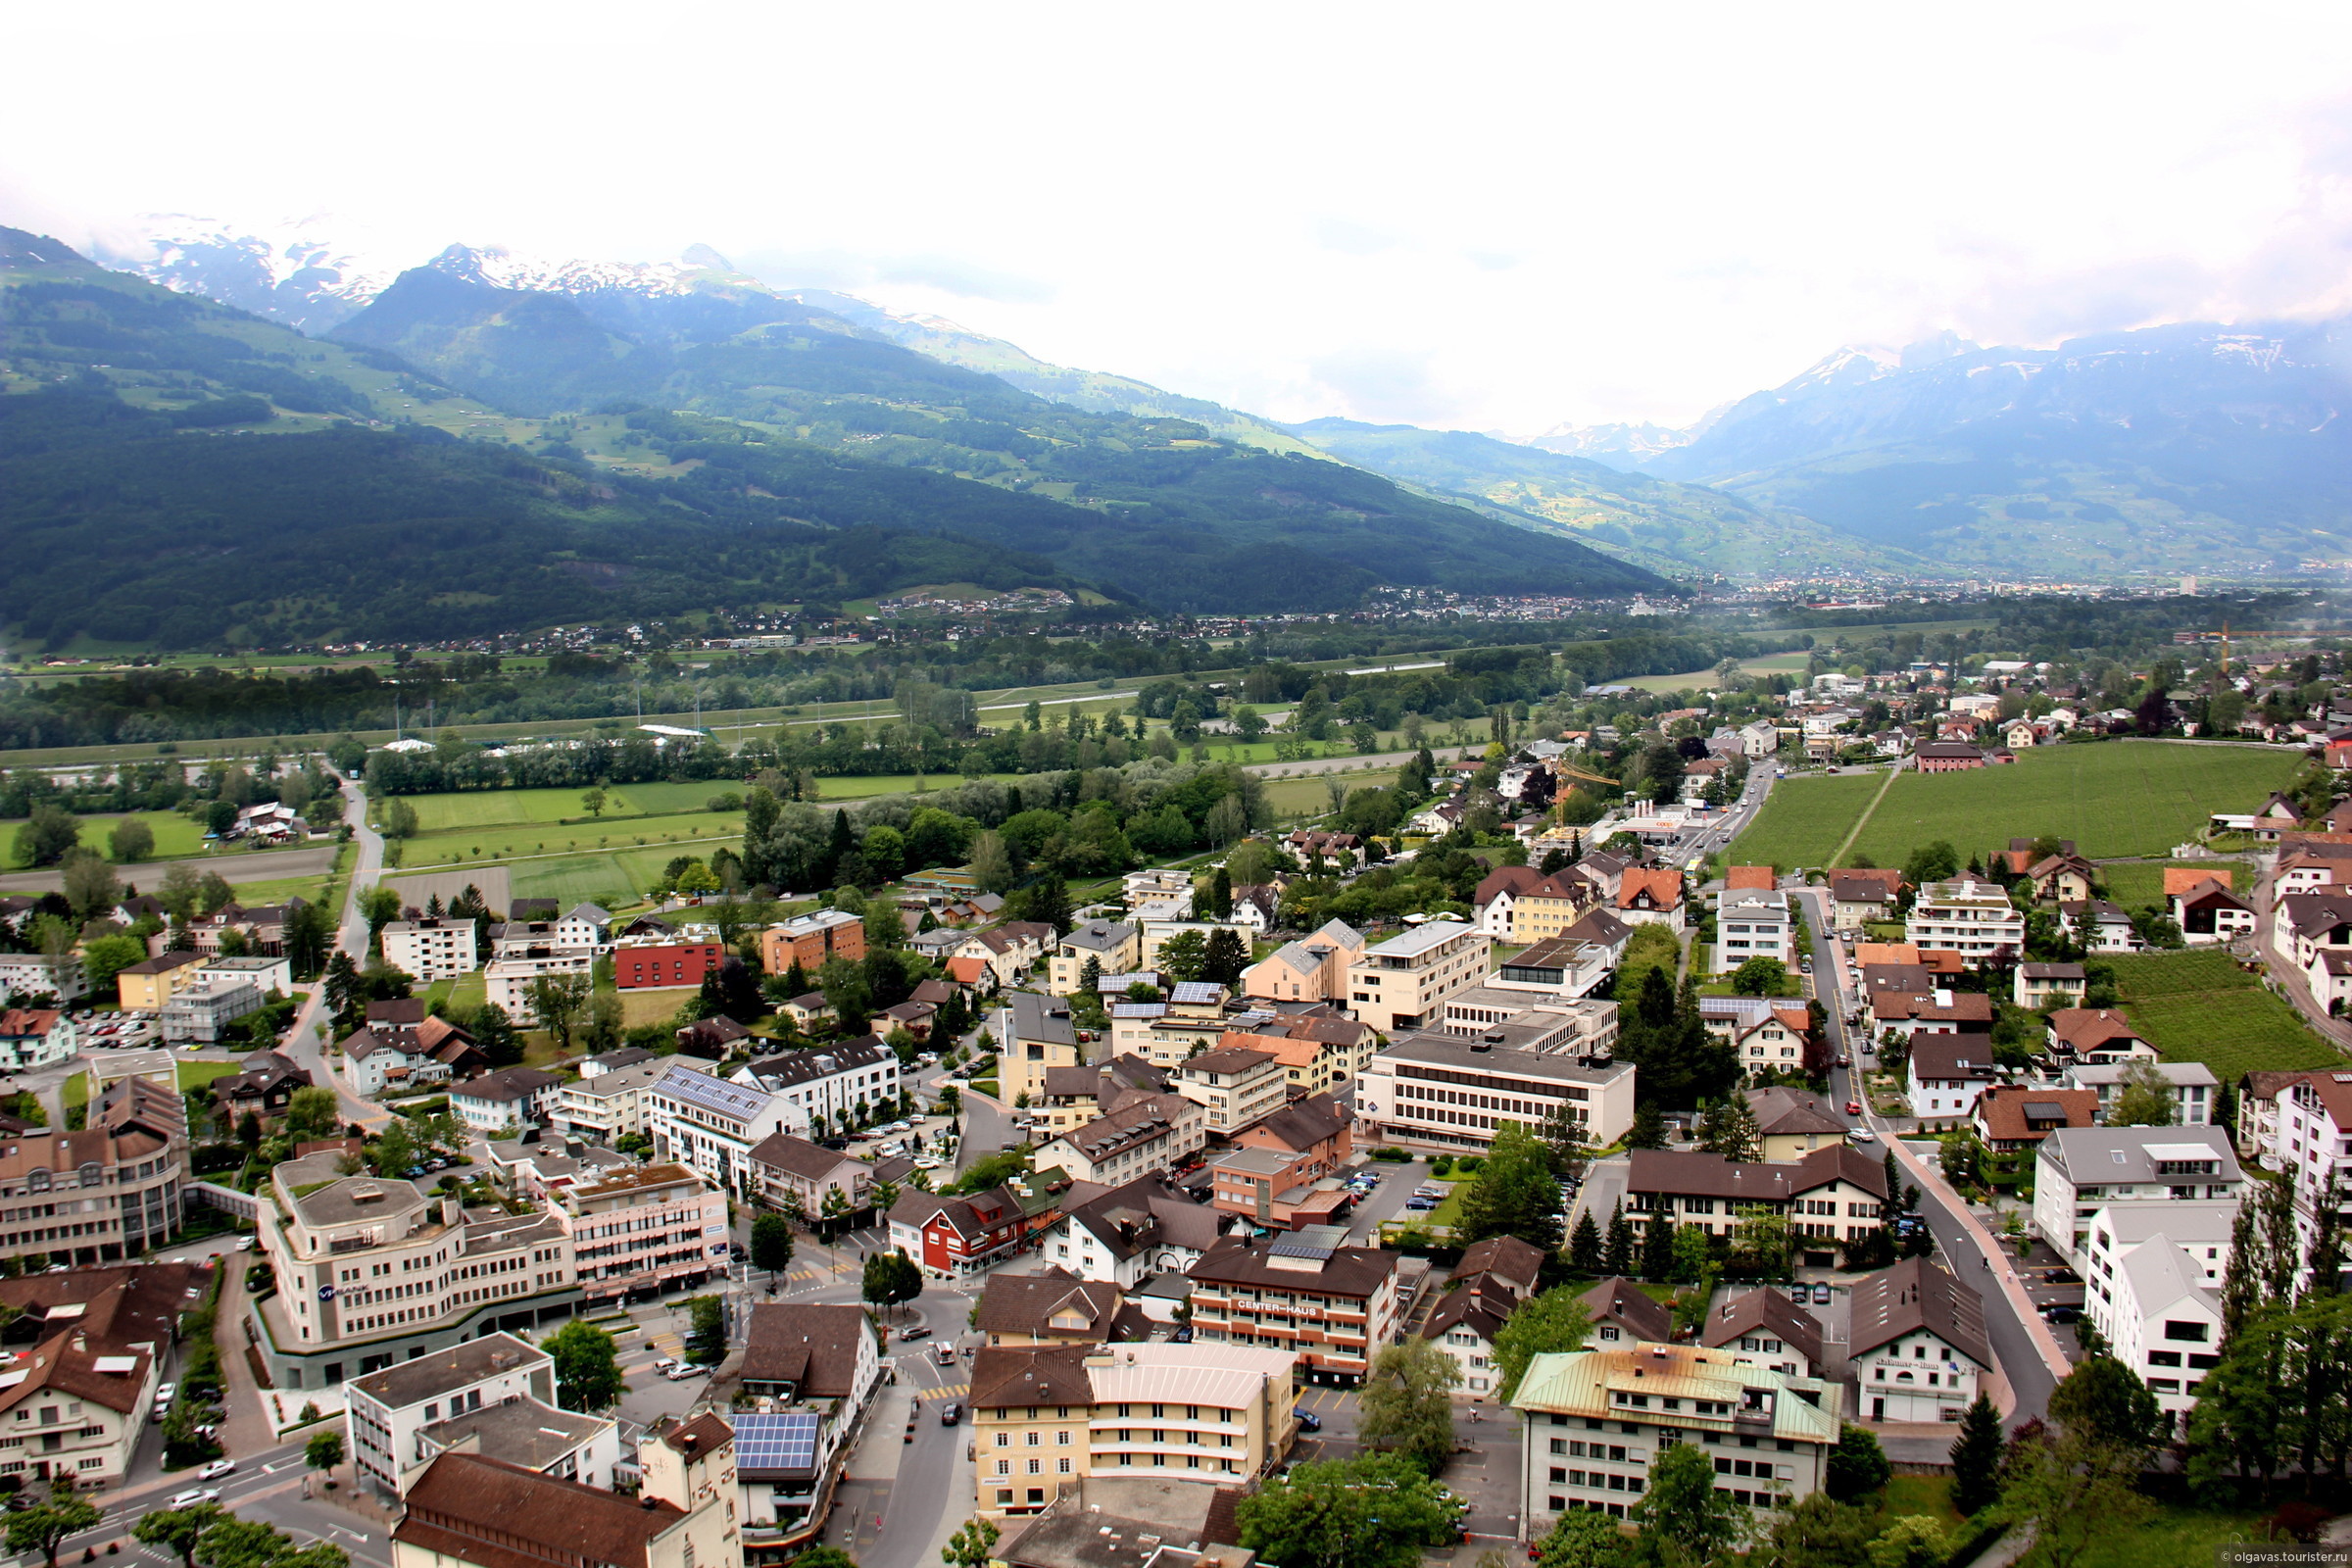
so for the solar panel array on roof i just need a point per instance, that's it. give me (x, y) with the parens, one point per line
(2041, 1108)
(786, 1442)
(1197, 991)
(711, 1094)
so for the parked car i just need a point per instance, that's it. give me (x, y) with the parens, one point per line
(1308, 1421)
(1821, 1296)
(217, 1469)
(2060, 1313)
(163, 1394)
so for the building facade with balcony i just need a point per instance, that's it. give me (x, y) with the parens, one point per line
(1327, 1304)
(1972, 918)
(642, 1230)
(370, 1271)
(1400, 983)
(1046, 1417)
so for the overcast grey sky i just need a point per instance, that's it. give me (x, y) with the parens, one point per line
(1487, 217)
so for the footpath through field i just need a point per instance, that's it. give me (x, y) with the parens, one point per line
(1863, 821)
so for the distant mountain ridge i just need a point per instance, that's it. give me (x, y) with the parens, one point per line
(704, 442)
(2179, 448)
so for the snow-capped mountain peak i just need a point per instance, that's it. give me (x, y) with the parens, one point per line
(290, 271)
(499, 267)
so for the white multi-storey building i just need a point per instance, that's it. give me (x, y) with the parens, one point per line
(643, 1229)
(2309, 1140)
(1972, 918)
(1917, 1343)
(857, 1080)
(497, 1392)
(371, 1271)
(1594, 1421)
(2192, 1085)
(2078, 1171)
(1401, 983)
(2151, 1285)
(1753, 923)
(432, 949)
(713, 1126)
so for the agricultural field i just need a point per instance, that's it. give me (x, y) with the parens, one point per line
(1803, 820)
(2118, 798)
(2201, 1007)
(491, 842)
(614, 880)
(499, 808)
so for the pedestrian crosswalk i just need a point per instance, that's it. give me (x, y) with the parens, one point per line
(953, 1390)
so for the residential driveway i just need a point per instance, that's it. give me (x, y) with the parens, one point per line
(1603, 1189)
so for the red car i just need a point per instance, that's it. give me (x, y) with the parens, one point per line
(1853, 1108)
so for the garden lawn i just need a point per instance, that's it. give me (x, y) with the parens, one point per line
(1804, 819)
(2177, 1537)
(2200, 1007)
(653, 1006)
(2112, 798)
(196, 1074)
(614, 878)
(1906, 1496)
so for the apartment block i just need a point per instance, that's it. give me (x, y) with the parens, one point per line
(641, 1230)
(1401, 983)
(1972, 918)
(1594, 1421)
(1045, 1417)
(1307, 1292)
(371, 1271)
(809, 940)
(434, 949)
(713, 1126)
(1450, 1093)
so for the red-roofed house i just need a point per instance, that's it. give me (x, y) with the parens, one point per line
(1751, 876)
(1650, 895)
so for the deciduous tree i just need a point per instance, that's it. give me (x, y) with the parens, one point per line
(1407, 1402)
(1552, 1320)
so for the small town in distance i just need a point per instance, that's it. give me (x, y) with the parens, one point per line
(1894, 1088)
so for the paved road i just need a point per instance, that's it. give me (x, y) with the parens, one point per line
(260, 866)
(307, 1041)
(1720, 833)
(2021, 1343)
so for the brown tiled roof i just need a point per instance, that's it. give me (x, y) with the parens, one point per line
(2090, 1028)
(1785, 1113)
(1026, 1304)
(1355, 1272)
(2002, 1111)
(1004, 1376)
(1751, 876)
(1913, 1295)
(810, 1346)
(1684, 1171)
(1506, 1258)
(1303, 1125)
(1766, 1310)
(1621, 1302)
(2185, 878)
(702, 1434)
(797, 1156)
(1223, 1058)
(485, 1511)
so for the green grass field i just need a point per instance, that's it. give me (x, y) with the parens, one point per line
(511, 840)
(175, 837)
(2120, 798)
(1803, 819)
(2201, 1007)
(2177, 1537)
(2132, 883)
